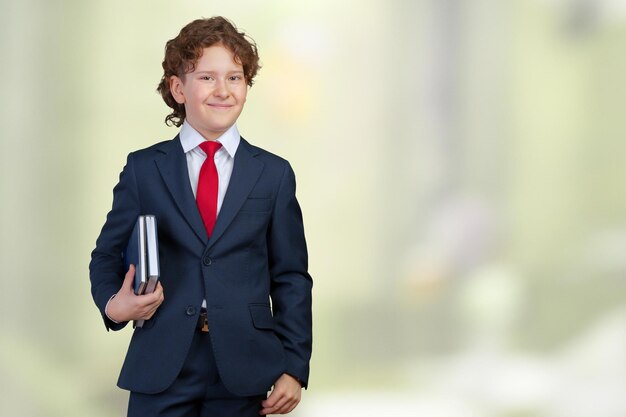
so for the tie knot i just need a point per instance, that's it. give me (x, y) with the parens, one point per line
(210, 147)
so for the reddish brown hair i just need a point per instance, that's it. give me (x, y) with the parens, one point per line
(182, 54)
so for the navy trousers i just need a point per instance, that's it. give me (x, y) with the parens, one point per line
(196, 392)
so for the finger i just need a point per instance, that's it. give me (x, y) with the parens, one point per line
(287, 408)
(148, 315)
(292, 407)
(282, 405)
(151, 306)
(158, 290)
(266, 411)
(156, 298)
(149, 311)
(275, 407)
(129, 278)
(271, 400)
(153, 297)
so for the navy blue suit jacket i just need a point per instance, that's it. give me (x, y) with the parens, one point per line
(252, 271)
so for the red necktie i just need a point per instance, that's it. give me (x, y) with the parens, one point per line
(208, 181)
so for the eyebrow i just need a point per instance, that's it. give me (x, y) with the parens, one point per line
(213, 72)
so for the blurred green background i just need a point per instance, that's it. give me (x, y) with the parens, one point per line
(461, 168)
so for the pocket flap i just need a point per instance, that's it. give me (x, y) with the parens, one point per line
(261, 316)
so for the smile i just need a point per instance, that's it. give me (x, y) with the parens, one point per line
(221, 106)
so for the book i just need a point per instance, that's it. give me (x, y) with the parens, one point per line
(135, 254)
(152, 254)
(143, 252)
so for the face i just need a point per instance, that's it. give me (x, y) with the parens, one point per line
(213, 94)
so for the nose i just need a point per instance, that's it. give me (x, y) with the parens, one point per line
(221, 89)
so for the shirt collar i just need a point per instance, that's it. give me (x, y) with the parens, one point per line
(190, 138)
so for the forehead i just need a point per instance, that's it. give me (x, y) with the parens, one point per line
(217, 58)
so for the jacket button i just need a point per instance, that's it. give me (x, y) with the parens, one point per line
(190, 310)
(206, 261)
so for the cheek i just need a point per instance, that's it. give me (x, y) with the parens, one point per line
(242, 93)
(198, 94)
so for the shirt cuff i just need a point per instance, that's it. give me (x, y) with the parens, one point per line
(107, 307)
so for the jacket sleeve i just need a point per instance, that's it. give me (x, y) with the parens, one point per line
(106, 269)
(291, 283)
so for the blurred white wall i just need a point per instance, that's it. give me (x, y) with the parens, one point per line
(460, 165)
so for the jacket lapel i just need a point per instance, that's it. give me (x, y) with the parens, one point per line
(173, 169)
(246, 172)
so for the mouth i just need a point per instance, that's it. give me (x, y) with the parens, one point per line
(220, 106)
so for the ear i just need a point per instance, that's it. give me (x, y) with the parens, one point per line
(176, 88)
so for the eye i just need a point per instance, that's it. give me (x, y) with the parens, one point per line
(206, 77)
(236, 78)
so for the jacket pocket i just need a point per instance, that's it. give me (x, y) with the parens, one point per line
(261, 316)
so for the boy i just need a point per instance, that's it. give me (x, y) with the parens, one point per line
(230, 240)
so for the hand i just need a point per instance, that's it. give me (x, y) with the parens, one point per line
(126, 305)
(284, 397)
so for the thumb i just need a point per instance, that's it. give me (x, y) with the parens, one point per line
(129, 279)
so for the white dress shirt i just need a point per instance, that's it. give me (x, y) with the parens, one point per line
(190, 139)
(224, 157)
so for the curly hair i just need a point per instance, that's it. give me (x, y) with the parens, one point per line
(182, 54)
